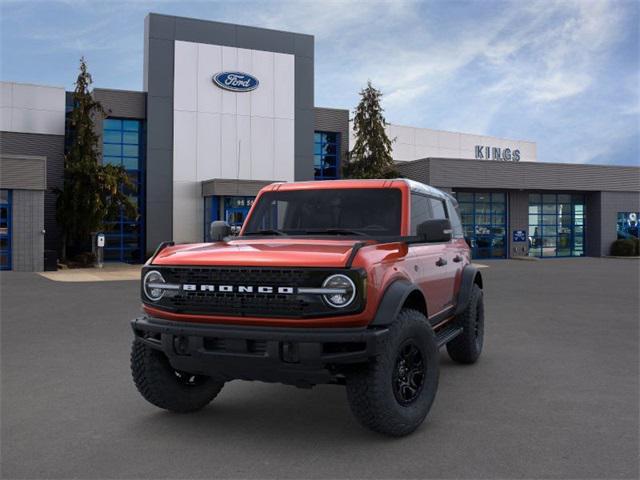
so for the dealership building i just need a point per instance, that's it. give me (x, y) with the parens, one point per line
(227, 109)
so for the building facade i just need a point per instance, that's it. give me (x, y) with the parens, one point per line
(32, 126)
(227, 109)
(537, 209)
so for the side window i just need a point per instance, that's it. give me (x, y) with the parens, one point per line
(454, 218)
(420, 211)
(437, 207)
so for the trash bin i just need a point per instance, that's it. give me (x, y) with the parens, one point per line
(50, 260)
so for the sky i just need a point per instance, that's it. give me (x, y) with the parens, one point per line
(565, 74)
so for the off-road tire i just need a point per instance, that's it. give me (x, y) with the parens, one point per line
(467, 347)
(371, 388)
(160, 384)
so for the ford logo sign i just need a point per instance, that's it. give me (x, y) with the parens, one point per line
(236, 81)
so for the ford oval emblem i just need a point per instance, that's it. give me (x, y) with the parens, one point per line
(236, 81)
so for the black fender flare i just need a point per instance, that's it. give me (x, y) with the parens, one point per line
(394, 297)
(470, 276)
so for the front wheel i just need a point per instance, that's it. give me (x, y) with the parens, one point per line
(393, 394)
(165, 387)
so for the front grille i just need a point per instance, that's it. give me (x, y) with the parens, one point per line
(250, 304)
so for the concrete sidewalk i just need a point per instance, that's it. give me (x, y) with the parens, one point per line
(110, 273)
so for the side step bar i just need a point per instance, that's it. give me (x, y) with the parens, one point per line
(447, 334)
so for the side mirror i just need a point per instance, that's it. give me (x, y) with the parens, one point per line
(434, 230)
(219, 230)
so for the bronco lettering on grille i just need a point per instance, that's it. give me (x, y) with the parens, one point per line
(192, 287)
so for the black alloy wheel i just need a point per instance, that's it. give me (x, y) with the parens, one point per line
(408, 374)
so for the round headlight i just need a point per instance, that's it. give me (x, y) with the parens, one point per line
(344, 291)
(151, 285)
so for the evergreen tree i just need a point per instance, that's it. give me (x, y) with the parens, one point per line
(371, 154)
(91, 192)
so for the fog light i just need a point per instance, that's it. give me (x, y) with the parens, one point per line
(181, 345)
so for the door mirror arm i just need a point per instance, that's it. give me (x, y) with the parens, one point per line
(218, 230)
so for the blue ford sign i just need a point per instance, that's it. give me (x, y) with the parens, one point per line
(236, 81)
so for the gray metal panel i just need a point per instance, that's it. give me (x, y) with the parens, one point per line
(334, 120)
(462, 173)
(160, 26)
(223, 186)
(518, 204)
(160, 130)
(228, 34)
(303, 45)
(159, 214)
(303, 159)
(203, 31)
(304, 78)
(159, 207)
(23, 172)
(612, 203)
(27, 240)
(593, 225)
(418, 170)
(51, 147)
(274, 41)
(122, 103)
(160, 68)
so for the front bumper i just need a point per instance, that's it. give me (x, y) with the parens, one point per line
(297, 356)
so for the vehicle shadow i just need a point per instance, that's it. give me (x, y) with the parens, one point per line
(251, 409)
(264, 412)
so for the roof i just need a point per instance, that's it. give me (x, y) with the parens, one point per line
(358, 183)
(424, 188)
(491, 174)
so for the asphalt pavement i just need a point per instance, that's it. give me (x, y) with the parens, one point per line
(555, 394)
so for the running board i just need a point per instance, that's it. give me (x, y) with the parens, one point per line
(447, 334)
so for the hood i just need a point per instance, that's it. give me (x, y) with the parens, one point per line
(271, 252)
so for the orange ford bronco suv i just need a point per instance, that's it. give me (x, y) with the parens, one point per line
(350, 282)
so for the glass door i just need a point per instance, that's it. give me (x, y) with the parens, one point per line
(556, 225)
(484, 220)
(236, 210)
(5, 229)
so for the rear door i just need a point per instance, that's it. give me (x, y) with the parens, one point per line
(430, 261)
(451, 254)
(459, 245)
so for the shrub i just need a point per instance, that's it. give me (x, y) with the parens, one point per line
(624, 248)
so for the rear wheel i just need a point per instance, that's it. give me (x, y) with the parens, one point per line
(467, 347)
(394, 393)
(165, 387)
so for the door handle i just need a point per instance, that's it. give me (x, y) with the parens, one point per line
(441, 262)
(457, 259)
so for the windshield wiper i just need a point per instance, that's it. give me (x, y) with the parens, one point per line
(335, 231)
(266, 232)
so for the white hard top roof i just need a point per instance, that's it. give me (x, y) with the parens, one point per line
(426, 189)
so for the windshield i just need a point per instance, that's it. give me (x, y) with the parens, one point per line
(352, 212)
